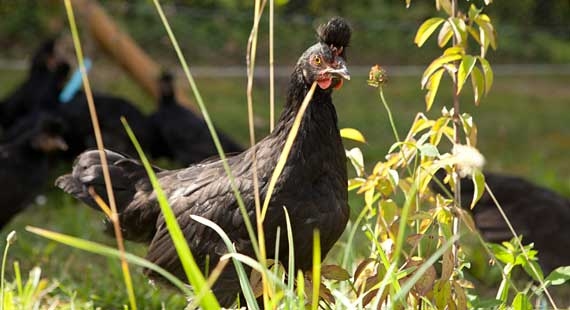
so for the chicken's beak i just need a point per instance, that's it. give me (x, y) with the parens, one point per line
(60, 144)
(341, 71)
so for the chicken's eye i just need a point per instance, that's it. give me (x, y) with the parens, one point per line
(317, 60)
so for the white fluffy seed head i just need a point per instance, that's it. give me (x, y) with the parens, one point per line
(468, 159)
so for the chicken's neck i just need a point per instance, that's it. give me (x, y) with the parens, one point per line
(318, 143)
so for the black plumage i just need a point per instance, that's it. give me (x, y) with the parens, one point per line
(312, 186)
(110, 109)
(25, 162)
(180, 134)
(39, 91)
(539, 214)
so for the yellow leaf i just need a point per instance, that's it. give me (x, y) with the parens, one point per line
(459, 29)
(426, 29)
(445, 33)
(352, 134)
(433, 86)
(464, 71)
(436, 64)
(478, 84)
(478, 186)
(487, 73)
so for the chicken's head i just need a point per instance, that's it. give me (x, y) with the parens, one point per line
(325, 61)
(323, 64)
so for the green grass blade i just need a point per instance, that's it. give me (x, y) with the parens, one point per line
(100, 147)
(316, 269)
(193, 272)
(291, 267)
(243, 277)
(286, 149)
(210, 124)
(9, 240)
(107, 251)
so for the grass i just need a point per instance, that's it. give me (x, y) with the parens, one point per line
(519, 111)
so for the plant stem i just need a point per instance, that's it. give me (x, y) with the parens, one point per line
(271, 68)
(392, 123)
(102, 155)
(4, 257)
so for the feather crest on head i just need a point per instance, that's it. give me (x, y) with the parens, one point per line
(335, 33)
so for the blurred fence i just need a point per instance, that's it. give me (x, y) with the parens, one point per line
(285, 71)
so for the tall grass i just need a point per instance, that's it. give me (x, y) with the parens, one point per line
(99, 140)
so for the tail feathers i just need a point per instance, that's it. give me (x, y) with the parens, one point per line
(138, 211)
(127, 177)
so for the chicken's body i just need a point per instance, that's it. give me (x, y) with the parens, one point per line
(180, 134)
(25, 163)
(312, 186)
(540, 215)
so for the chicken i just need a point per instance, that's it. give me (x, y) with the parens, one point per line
(538, 214)
(39, 91)
(110, 109)
(180, 134)
(312, 187)
(25, 162)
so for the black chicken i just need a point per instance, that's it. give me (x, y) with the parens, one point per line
(180, 134)
(312, 186)
(539, 214)
(79, 130)
(25, 162)
(39, 91)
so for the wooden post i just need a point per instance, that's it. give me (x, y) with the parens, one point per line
(125, 51)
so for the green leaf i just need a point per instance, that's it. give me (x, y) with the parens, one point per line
(530, 266)
(433, 86)
(478, 83)
(521, 302)
(459, 29)
(355, 183)
(501, 253)
(487, 73)
(473, 12)
(352, 134)
(484, 22)
(464, 71)
(454, 50)
(473, 32)
(429, 150)
(442, 293)
(559, 276)
(334, 272)
(437, 130)
(479, 186)
(436, 64)
(445, 33)
(426, 29)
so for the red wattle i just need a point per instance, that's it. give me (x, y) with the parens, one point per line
(324, 84)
